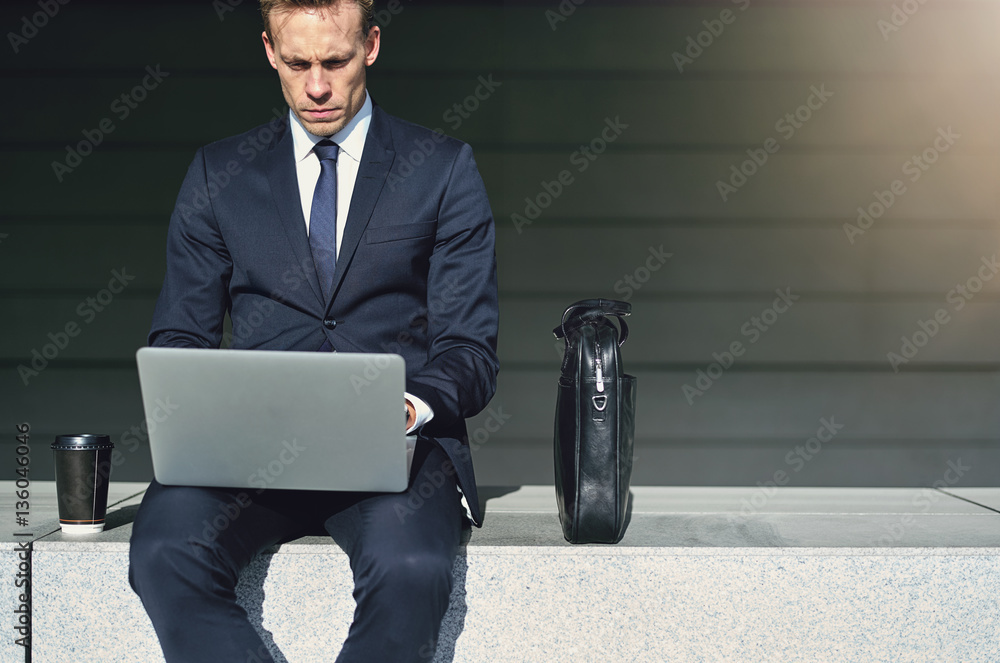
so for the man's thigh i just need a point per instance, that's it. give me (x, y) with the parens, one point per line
(239, 523)
(426, 519)
(233, 523)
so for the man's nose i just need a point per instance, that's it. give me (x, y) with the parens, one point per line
(317, 86)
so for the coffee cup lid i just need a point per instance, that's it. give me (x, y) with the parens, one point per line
(83, 441)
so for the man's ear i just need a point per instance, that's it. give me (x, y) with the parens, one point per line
(269, 50)
(372, 44)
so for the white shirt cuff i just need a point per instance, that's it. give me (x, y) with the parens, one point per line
(424, 413)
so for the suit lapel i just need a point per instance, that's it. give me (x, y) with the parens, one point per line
(281, 172)
(376, 160)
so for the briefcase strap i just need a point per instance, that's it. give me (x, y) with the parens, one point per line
(588, 311)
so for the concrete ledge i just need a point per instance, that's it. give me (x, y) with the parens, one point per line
(704, 574)
(42, 520)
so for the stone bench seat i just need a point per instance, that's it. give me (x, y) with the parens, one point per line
(703, 574)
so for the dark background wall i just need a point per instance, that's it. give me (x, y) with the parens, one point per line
(884, 85)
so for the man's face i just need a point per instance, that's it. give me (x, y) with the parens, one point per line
(321, 57)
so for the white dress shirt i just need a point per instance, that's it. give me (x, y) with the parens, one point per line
(351, 140)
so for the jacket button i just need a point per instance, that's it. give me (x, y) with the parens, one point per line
(330, 323)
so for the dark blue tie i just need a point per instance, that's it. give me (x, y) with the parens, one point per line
(323, 216)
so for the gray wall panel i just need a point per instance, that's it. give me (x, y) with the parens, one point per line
(813, 331)
(615, 184)
(565, 255)
(779, 404)
(788, 185)
(810, 332)
(656, 185)
(744, 256)
(956, 36)
(662, 113)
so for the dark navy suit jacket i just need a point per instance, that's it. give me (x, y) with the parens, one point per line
(415, 275)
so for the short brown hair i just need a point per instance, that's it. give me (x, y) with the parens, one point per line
(268, 7)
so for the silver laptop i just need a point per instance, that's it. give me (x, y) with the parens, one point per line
(263, 419)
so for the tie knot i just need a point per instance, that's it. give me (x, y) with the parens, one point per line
(326, 149)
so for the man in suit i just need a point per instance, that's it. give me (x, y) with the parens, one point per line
(321, 232)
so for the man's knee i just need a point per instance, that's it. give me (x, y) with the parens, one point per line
(163, 560)
(146, 557)
(414, 573)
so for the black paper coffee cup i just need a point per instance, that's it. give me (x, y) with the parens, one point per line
(83, 470)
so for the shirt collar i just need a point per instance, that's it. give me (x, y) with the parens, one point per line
(351, 138)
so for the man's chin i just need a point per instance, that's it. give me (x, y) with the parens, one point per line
(321, 128)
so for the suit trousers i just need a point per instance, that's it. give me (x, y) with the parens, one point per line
(189, 545)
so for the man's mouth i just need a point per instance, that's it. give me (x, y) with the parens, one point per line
(320, 113)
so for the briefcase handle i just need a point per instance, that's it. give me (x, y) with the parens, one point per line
(594, 310)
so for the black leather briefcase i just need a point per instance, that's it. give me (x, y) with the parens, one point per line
(595, 423)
